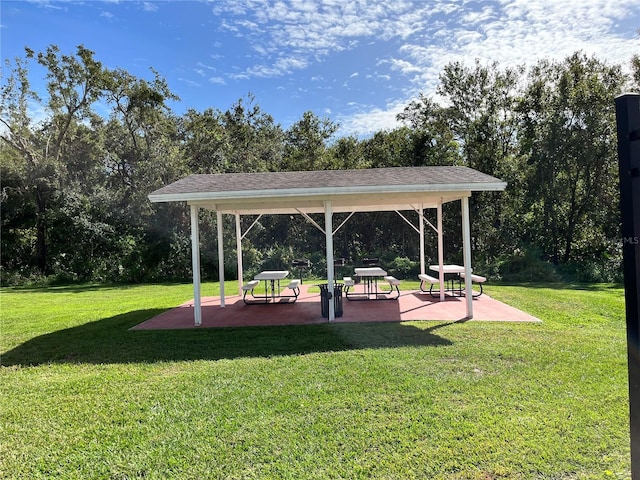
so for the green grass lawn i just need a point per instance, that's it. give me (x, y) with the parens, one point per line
(84, 397)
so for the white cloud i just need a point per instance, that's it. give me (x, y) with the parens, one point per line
(519, 32)
(479, 17)
(278, 68)
(203, 65)
(191, 83)
(370, 119)
(419, 38)
(315, 30)
(149, 7)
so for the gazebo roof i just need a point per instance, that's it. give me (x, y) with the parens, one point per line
(374, 189)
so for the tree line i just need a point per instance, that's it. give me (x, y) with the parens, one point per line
(77, 165)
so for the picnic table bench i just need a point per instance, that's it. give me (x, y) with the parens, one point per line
(476, 279)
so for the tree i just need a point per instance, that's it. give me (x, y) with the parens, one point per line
(635, 67)
(204, 141)
(142, 152)
(568, 134)
(253, 141)
(75, 183)
(74, 83)
(388, 148)
(305, 146)
(434, 141)
(346, 153)
(474, 126)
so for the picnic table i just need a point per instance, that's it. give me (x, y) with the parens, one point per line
(370, 276)
(272, 288)
(452, 273)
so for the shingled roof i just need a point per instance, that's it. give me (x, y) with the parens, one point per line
(284, 191)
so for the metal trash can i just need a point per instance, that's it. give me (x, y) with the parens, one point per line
(325, 296)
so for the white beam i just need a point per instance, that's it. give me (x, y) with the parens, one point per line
(239, 238)
(328, 227)
(421, 223)
(421, 209)
(345, 221)
(220, 257)
(440, 251)
(195, 265)
(312, 221)
(251, 226)
(378, 202)
(417, 229)
(466, 246)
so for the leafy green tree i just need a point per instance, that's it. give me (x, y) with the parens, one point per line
(204, 141)
(346, 153)
(17, 240)
(635, 67)
(74, 183)
(391, 148)
(474, 125)
(74, 83)
(568, 134)
(480, 105)
(306, 143)
(142, 152)
(242, 139)
(434, 141)
(253, 141)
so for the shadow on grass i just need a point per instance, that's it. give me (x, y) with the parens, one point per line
(110, 341)
(594, 287)
(84, 287)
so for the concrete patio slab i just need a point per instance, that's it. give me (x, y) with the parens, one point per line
(412, 305)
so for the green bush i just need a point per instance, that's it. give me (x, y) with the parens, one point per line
(524, 266)
(404, 268)
(593, 271)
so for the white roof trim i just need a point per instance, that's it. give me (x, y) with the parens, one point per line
(323, 192)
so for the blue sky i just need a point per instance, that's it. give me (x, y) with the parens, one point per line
(357, 62)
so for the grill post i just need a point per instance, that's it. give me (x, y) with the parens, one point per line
(628, 125)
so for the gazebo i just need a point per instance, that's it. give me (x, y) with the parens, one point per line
(399, 189)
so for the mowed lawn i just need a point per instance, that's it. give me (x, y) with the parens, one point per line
(84, 397)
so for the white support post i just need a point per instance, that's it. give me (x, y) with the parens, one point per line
(220, 257)
(440, 251)
(421, 222)
(466, 245)
(195, 265)
(239, 254)
(328, 228)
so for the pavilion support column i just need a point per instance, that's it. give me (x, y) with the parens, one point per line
(328, 227)
(440, 250)
(239, 254)
(220, 256)
(195, 265)
(421, 224)
(466, 247)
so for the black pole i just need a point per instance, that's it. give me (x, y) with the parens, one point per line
(628, 120)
